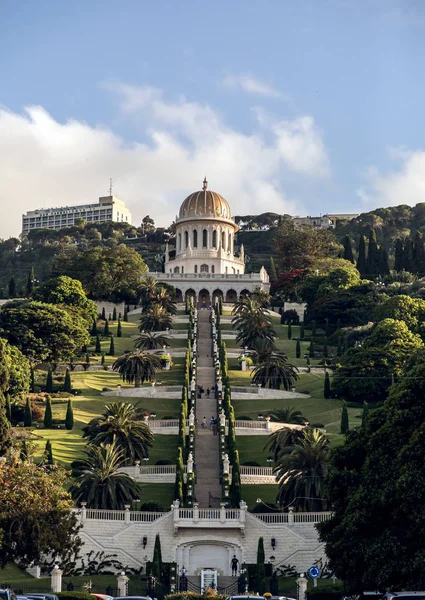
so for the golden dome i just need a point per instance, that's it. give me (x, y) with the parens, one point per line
(205, 203)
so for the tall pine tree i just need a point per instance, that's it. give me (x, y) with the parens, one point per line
(12, 287)
(344, 419)
(119, 328)
(298, 349)
(383, 266)
(348, 249)
(69, 417)
(48, 454)
(48, 415)
(97, 347)
(112, 347)
(418, 255)
(327, 386)
(408, 256)
(49, 381)
(398, 255)
(372, 256)
(272, 271)
(114, 314)
(67, 384)
(361, 258)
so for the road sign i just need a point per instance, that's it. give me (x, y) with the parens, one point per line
(314, 572)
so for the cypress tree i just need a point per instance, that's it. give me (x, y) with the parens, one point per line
(398, 255)
(5, 440)
(348, 250)
(48, 415)
(109, 317)
(98, 347)
(361, 258)
(102, 360)
(311, 349)
(365, 412)
(272, 272)
(383, 266)
(119, 328)
(94, 328)
(302, 330)
(372, 255)
(289, 331)
(339, 347)
(419, 254)
(32, 380)
(48, 453)
(344, 419)
(112, 347)
(178, 489)
(30, 282)
(125, 318)
(325, 348)
(298, 349)
(12, 287)
(67, 384)
(157, 559)
(69, 417)
(261, 570)
(49, 381)
(103, 317)
(87, 358)
(114, 314)
(8, 407)
(106, 328)
(327, 386)
(408, 256)
(28, 414)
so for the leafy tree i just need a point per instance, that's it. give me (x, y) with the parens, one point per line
(5, 439)
(298, 349)
(65, 291)
(119, 328)
(43, 332)
(301, 469)
(299, 248)
(49, 381)
(30, 282)
(151, 340)
(48, 415)
(99, 481)
(373, 486)
(121, 424)
(327, 386)
(361, 257)
(67, 385)
(112, 347)
(28, 414)
(137, 367)
(402, 308)
(275, 372)
(48, 454)
(12, 287)
(15, 371)
(69, 417)
(35, 514)
(98, 347)
(344, 419)
(348, 250)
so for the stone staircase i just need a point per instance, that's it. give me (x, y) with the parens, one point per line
(208, 488)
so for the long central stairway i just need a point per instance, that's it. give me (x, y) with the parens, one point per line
(208, 488)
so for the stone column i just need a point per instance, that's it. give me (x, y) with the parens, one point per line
(196, 511)
(302, 587)
(222, 512)
(122, 584)
(83, 511)
(127, 513)
(290, 516)
(56, 579)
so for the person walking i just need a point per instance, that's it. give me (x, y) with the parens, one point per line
(234, 564)
(204, 423)
(208, 392)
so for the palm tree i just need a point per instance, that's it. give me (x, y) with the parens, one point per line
(275, 371)
(249, 304)
(155, 318)
(261, 349)
(121, 424)
(148, 289)
(253, 327)
(300, 472)
(281, 441)
(165, 299)
(137, 366)
(100, 483)
(289, 415)
(150, 340)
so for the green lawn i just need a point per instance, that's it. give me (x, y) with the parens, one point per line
(163, 493)
(267, 493)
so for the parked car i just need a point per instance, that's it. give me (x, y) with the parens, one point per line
(404, 596)
(103, 596)
(38, 595)
(6, 594)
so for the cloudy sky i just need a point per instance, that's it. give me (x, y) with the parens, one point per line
(297, 106)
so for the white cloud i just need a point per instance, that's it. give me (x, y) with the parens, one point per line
(47, 163)
(251, 85)
(403, 185)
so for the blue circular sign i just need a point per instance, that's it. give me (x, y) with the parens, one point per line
(314, 572)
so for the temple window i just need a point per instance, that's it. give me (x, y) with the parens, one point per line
(195, 238)
(214, 239)
(186, 239)
(176, 270)
(204, 268)
(204, 238)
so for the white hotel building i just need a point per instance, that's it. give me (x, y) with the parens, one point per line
(107, 209)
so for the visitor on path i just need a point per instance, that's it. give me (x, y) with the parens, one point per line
(204, 423)
(208, 392)
(212, 421)
(234, 564)
(215, 427)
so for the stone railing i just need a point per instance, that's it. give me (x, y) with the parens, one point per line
(248, 470)
(229, 518)
(126, 516)
(252, 424)
(290, 518)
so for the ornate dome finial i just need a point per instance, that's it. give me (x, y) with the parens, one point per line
(205, 184)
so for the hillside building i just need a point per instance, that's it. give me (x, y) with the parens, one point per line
(109, 208)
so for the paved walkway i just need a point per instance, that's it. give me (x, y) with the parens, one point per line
(208, 488)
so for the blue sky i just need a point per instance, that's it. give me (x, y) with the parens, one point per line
(292, 106)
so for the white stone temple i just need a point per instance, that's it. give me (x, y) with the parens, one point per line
(205, 265)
